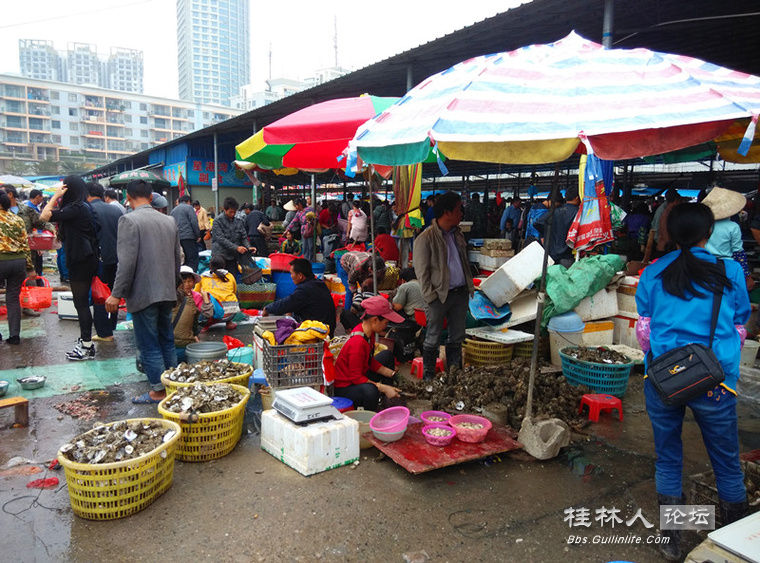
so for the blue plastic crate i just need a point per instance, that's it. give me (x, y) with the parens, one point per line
(601, 378)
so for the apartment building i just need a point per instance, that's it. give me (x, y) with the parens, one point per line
(80, 63)
(42, 119)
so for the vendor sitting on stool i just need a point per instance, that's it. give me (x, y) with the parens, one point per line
(358, 374)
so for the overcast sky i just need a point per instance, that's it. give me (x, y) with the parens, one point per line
(300, 31)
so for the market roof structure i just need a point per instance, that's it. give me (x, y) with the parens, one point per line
(724, 33)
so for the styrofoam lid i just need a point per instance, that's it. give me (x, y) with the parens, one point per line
(566, 322)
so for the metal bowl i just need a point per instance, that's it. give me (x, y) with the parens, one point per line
(32, 382)
(3, 387)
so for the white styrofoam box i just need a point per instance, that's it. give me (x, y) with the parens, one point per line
(491, 263)
(66, 309)
(625, 330)
(598, 333)
(602, 305)
(312, 448)
(515, 275)
(473, 256)
(258, 351)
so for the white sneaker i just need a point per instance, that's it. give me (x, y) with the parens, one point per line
(81, 352)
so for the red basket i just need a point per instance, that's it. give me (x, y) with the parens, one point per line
(33, 297)
(41, 241)
(280, 262)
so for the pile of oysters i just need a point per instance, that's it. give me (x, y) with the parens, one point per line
(205, 371)
(201, 398)
(119, 441)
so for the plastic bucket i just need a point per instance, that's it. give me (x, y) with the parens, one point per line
(284, 283)
(242, 355)
(199, 351)
(363, 418)
(749, 353)
(318, 269)
(559, 340)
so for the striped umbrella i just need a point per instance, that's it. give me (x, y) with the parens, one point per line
(535, 104)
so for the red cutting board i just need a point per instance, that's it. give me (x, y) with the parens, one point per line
(415, 455)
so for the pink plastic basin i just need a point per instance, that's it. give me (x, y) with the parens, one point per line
(425, 416)
(438, 440)
(390, 420)
(471, 435)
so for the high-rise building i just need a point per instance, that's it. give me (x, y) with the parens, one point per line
(39, 59)
(83, 65)
(125, 70)
(80, 64)
(213, 49)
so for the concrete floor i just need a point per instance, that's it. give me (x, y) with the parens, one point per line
(249, 506)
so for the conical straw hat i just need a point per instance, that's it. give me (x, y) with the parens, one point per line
(724, 203)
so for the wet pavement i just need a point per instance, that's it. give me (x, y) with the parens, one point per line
(249, 506)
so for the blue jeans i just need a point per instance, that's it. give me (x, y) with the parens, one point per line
(154, 337)
(715, 413)
(60, 259)
(308, 248)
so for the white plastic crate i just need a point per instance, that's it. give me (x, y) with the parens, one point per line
(602, 305)
(515, 275)
(312, 448)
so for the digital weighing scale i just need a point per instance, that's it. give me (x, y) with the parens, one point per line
(303, 405)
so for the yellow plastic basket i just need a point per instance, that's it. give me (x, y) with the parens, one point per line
(212, 435)
(484, 353)
(523, 350)
(108, 491)
(172, 386)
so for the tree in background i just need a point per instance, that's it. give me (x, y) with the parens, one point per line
(17, 167)
(47, 167)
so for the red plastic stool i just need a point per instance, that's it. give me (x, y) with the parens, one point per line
(598, 402)
(417, 366)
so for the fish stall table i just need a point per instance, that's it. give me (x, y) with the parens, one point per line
(415, 455)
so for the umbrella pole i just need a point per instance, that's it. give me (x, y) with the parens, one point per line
(540, 308)
(370, 172)
(313, 192)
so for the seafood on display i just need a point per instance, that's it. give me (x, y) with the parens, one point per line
(205, 371)
(119, 441)
(203, 398)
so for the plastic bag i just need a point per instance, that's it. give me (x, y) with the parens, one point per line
(231, 342)
(100, 291)
(566, 287)
(33, 297)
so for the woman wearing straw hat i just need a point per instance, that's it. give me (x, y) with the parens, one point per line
(726, 238)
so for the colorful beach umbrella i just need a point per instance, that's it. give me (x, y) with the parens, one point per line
(534, 104)
(312, 138)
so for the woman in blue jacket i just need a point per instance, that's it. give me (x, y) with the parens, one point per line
(674, 298)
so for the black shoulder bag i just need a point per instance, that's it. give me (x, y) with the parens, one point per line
(689, 371)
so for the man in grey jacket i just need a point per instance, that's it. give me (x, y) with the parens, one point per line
(229, 238)
(189, 232)
(443, 270)
(147, 278)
